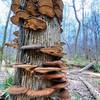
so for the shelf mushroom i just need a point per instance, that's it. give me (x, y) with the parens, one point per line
(53, 51)
(16, 33)
(58, 63)
(35, 24)
(46, 7)
(40, 93)
(31, 8)
(15, 8)
(15, 90)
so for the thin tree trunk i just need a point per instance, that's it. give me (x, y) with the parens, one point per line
(5, 34)
(79, 25)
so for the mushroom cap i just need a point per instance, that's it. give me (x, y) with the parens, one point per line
(46, 7)
(17, 90)
(31, 8)
(16, 2)
(15, 20)
(46, 10)
(58, 13)
(23, 14)
(15, 40)
(15, 46)
(8, 44)
(35, 24)
(44, 70)
(59, 3)
(52, 51)
(54, 76)
(27, 67)
(33, 47)
(20, 14)
(15, 8)
(45, 3)
(40, 93)
(58, 63)
(16, 33)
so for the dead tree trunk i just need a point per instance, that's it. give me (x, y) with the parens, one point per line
(40, 74)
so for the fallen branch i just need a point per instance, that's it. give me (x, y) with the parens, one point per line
(83, 69)
(92, 90)
(86, 67)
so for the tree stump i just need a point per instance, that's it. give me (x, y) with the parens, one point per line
(38, 53)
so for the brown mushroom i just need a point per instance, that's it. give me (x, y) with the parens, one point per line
(59, 3)
(15, 8)
(16, 33)
(17, 90)
(44, 70)
(52, 51)
(22, 14)
(15, 20)
(8, 44)
(58, 63)
(24, 66)
(46, 7)
(16, 2)
(15, 46)
(31, 8)
(33, 47)
(40, 93)
(58, 13)
(54, 76)
(15, 40)
(35, 24)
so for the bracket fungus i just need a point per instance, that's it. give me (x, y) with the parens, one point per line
(16, 33)
(16, 2)
(35, 24)
(31, 8)
(15, 8)
(58, 63)
(26, 67)
(15, 90)
(52, 51)
(46, 7)
(58, 9)
(31, 47)
(15, 20)
(15, 40)
(54, 76)
(44, 70)
(40, 93)
(23, 14)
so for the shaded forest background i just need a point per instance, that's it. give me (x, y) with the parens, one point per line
(81, 30)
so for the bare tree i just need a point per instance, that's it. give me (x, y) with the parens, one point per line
(79, 25)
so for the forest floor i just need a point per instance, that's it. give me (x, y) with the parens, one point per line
(77, 89)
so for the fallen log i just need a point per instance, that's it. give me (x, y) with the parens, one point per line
(92, 90)
(83, 69)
